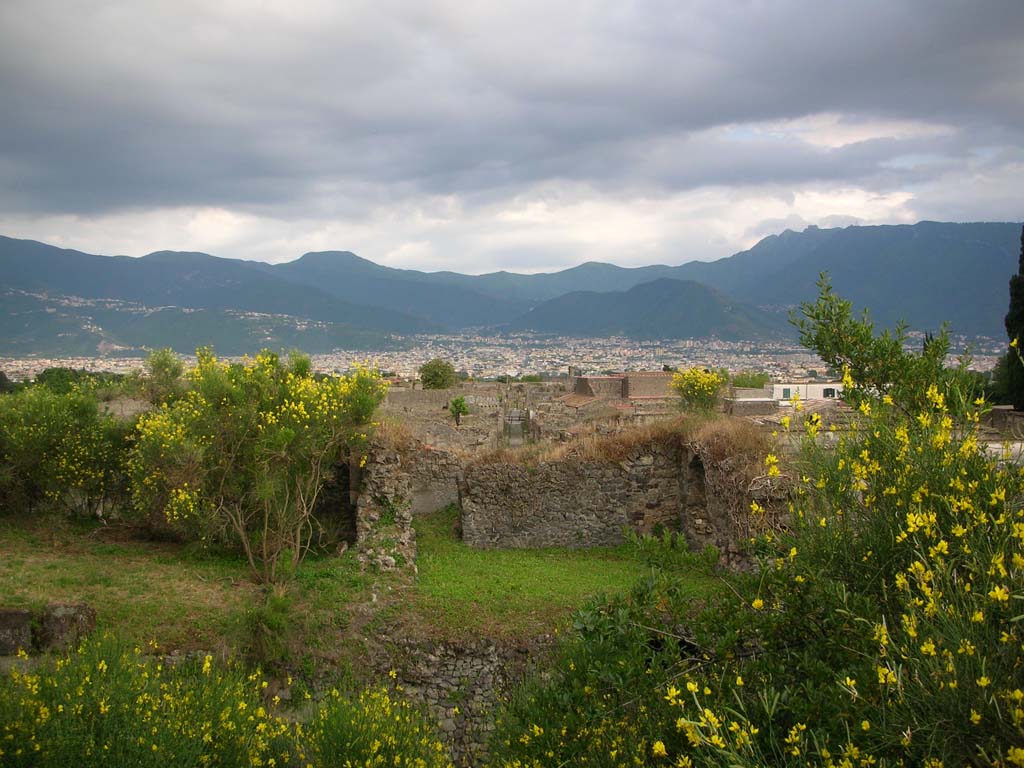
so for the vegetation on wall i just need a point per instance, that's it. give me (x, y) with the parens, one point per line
(698, 388)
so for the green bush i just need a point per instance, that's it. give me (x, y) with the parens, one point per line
(698, 388)
(244, 453)
(379, 728)
(437, 374)
(57, 450)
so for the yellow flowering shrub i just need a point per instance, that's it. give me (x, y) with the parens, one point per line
(882, 628)
(698, 388)
(245, 451)
(57, 450)
(107, 705)
(378, 728)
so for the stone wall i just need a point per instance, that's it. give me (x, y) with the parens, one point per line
(648, 384)
(460, 684)
(581, 502)
(573, 502)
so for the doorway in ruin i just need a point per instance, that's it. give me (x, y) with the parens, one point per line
(336, 507)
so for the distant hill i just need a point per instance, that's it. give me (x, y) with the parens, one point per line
(444, 304)
(188, 280)
(58, 326)
(660, 309)
(925, 273)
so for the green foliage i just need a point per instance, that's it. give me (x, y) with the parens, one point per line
(875, 366)
(271, 626)
(437, 374)
(164, 370)
(881, 628)
(750, 379)
(380, 728)
(62, 380)
(698, 388)
(1015, 330)
(6, 385)
(57, 449)
(457, 408)
(107, 705)
(244, 454)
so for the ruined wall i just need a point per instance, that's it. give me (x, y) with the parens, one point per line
(433, 476)
(570, 503)
(460, 684)
(573, 502)
(648, 384)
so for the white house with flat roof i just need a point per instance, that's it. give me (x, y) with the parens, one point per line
(808, 390)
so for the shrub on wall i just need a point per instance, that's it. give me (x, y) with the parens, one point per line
(698, 388)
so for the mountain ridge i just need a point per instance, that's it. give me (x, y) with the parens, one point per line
(923, 273)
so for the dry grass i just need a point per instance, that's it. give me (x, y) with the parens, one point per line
(396, 433)
(594, 442)
(726, 437)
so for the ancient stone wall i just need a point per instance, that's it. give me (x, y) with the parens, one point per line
(648, 384)
(571, 503)
(581, 502)
(460, 684)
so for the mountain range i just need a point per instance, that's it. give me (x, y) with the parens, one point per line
(57, 301)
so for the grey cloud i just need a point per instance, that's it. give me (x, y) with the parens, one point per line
(336, 109)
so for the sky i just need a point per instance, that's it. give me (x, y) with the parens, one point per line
(478, 136)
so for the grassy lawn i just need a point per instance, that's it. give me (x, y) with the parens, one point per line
(142, 591)
(464, 592)
(185, 598)
(178, 595)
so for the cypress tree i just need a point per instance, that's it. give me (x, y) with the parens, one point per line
(1015, 330)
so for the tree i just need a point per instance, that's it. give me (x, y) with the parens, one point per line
(244, 453)
(876, 366)
(437, 374)
(6, 385)
(458, 408)
(750, 379)
(163, 374)
(1015, 330)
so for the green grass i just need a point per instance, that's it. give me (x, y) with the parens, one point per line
(189, 599)
(177, 595)
(511, 593)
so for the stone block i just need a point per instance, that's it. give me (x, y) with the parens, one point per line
(15, 631)
(63, 625)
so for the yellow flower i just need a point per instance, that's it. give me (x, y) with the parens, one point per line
(758, 604)
(1000, 594)
(658, 749)
(983, 681)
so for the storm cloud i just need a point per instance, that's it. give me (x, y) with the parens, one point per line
(478, 136)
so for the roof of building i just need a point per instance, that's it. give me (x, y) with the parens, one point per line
(578, 401)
